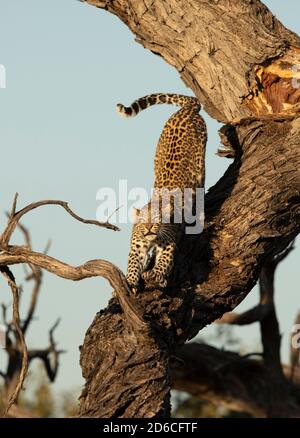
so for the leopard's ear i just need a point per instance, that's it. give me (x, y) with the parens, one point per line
(135, 213)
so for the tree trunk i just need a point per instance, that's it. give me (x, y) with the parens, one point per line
(237, 58)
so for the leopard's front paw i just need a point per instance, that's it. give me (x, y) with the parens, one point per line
(133, 283)
(156, 277)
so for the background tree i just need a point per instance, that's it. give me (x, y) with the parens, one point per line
(14, 347)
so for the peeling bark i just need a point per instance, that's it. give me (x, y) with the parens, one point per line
(220, 48)
(228, 53)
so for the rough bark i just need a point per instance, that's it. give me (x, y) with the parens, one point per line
(236, 57)
(234, 54)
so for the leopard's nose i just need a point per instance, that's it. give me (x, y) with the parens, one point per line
(150, 232)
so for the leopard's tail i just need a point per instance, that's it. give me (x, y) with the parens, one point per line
(157, 99)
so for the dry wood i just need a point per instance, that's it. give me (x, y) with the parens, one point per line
(5, 271)
(236, 57)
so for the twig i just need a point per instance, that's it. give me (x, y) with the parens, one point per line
(10, 255)
(36, 275)
(14, 205)
(114, 212)
(15, 218)
(48, 245)
(44, 354)
(4, 313)
(26, 234)
(278, 258)
(33, 301)
(52, 343)
(52, 371)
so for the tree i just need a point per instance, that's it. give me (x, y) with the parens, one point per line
(19, 357)
(237, 58)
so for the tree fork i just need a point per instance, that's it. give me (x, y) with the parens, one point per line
(236, 57)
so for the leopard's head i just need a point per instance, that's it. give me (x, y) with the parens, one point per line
(146, 223)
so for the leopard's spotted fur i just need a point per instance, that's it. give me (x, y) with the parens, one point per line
(178, 164)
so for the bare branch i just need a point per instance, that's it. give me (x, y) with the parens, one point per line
(283, 254)
(14, 205)
(52, 370)
(14, 220)
(51, 331)
(33, 301)
(48, 245)
(44, 354)
(26, 234)
(16, 320)
(4, 314)
(36, 275)
(94, 268)
(256, 314)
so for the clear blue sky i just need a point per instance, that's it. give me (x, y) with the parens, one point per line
(68, 64)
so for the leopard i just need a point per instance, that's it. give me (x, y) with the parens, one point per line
(179, 164)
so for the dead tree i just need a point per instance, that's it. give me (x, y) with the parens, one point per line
(13, 344)
(237, 58)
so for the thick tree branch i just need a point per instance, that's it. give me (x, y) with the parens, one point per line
(228, 379)
(13, 255)
(256, 314)
(254, 209)
(237, 58)
(259, 313)
(251, 213)
(234, 54)
(10, 255)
